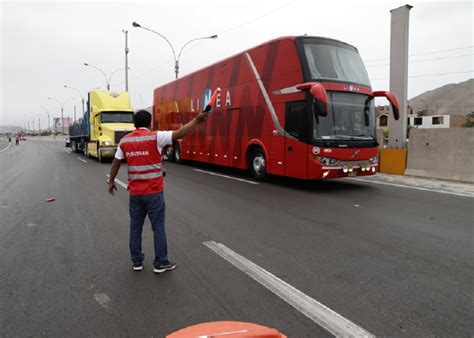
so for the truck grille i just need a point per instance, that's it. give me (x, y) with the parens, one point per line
(119, 135)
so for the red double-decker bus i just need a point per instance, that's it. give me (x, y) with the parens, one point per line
(299, 107)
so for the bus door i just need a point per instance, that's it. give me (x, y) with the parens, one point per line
(296, 125)
(234, 139)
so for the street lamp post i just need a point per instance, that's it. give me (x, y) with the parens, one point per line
(100, 70)
(176, 59)
(80, 94)
(61, 104)
(107, 79)
(126, 59)
(49, 126)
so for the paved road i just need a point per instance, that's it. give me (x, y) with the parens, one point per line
(394, 261)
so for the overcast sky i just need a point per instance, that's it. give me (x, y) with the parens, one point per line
(44, 44)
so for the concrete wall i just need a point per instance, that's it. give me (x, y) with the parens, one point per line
(442, 153)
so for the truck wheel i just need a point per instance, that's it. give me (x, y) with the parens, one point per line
(258, 164)
(177, 153)
(99, 155)
(86, 150)
(169, 154)
(74, 146)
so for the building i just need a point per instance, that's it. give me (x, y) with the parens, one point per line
(426, 118)
(429, 119)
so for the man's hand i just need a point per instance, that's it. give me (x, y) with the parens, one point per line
(202, 117)
(112, 188)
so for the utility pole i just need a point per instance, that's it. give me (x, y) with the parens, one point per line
(74, 112)
(49, 127)
(62, 119)
(39, 126)
(126, 59)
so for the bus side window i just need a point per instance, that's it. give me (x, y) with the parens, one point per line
(295, 118)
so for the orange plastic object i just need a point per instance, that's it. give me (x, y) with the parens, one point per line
(226, 329)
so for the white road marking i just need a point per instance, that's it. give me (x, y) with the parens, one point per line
(102, 299)
(4, 149)
(225, 176)
(319, 313)
(31, 225)
(68, 151)
(411, 187)
(120, 183)
(222, 334)
(82, 160)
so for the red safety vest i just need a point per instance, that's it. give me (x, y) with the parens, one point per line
(145, 174)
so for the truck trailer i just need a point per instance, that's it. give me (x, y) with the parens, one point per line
(107, 119)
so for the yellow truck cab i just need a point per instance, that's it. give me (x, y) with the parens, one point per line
(109, 117)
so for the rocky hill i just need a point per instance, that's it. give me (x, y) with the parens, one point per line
(454, 98)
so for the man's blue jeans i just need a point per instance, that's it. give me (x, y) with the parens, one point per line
(139, 207)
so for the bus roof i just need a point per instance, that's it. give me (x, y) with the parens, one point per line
(292, 38)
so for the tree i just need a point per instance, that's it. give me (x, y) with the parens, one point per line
(469, 123)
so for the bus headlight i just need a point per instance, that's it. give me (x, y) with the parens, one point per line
(328, 161)
(105, 143)
(373, 159)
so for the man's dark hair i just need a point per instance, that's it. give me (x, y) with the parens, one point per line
(142, 119)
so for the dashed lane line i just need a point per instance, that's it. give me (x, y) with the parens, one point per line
(311, 308)
(4, 149)
(82, 160)
(225, 176)
(120, 183)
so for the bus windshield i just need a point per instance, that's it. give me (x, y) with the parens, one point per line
(350, 117)
(334, 61)
(116, 117)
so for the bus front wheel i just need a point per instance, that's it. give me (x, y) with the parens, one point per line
(258, 164)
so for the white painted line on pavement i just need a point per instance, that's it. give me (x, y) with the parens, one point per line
(8, 146)
(68, 151)
(225, 176)
(82, 160)
(412, 187)
(317, 312)
(103, 300)
(120, 183)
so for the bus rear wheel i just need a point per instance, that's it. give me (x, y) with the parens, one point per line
(177, 153)
(169, 154)
(258, 164)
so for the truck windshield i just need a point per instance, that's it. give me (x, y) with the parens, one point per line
(116, 117)
(334, 61)
(350, 117)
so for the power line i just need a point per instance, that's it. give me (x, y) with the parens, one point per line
(427, 53)
(220, 33)
(426, 75)
(256, 18)
(425, 60)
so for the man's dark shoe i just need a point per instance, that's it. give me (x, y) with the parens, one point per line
(137, 266)
(164, 267)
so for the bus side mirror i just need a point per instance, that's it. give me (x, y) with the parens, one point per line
(393, 102)
(320, 104)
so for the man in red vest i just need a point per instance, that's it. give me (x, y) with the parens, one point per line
(142, 151)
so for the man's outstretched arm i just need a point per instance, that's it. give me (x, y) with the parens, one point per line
(188, 127)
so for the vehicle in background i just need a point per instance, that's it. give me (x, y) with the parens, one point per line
(299, 107)
(108, 118)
